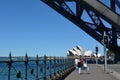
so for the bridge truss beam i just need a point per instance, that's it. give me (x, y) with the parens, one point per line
(94, 28)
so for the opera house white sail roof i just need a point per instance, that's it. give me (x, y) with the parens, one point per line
(78, 51)
(75, 51)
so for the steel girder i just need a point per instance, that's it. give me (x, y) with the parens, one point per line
(94, 29)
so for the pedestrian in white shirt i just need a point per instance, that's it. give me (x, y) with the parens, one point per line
(76, 63)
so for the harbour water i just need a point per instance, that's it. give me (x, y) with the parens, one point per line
(18, 69)
(20, 66)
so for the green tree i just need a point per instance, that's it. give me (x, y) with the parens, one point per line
(110, 54)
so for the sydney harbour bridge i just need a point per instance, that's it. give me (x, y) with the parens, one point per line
(97, 11)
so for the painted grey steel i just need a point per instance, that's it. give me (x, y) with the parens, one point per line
(105, 54)
(104, 11)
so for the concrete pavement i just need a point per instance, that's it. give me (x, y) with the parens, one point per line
(95, 73)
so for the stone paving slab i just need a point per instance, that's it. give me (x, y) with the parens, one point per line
(95, 73)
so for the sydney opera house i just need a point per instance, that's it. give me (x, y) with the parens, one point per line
(78, 51)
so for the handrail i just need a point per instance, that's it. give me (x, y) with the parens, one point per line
(35, 68)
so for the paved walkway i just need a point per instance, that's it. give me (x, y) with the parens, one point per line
(95, 73)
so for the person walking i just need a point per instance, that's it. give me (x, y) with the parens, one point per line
(85, 66)
(76, 63)
(80, 64)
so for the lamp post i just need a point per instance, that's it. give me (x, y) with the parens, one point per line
(96, 54)
(105, 38)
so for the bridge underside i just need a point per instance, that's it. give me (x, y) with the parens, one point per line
(97, 12)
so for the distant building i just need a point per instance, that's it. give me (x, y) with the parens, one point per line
(99, 55)
(78, 51)
(88, 53)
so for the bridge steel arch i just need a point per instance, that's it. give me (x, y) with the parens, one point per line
(97, 11)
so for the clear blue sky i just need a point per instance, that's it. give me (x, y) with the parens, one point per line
(33, 27)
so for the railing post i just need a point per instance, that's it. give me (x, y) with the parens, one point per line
(54, 66)
(37, 59)
(44, 67)
(58, 62)
(50, 67)
(9, 65)
(64, 61)
(61, 64)
(26, 64)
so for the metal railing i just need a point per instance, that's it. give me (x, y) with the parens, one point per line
(35, 68)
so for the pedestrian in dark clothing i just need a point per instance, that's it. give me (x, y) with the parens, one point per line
(80, 64)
